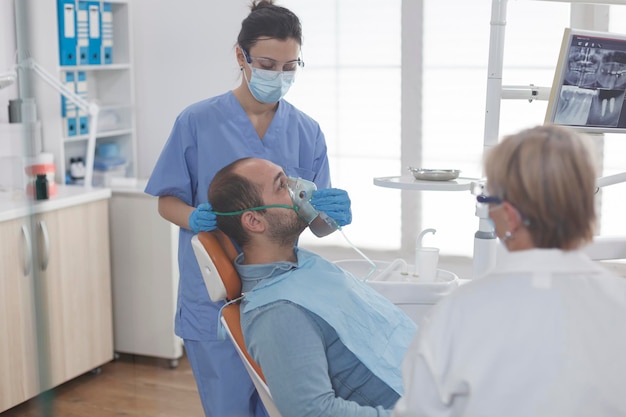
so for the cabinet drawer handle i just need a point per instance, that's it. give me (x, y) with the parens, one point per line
(46, 242)
(28, 254)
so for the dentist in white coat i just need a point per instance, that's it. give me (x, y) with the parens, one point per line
(544, 334)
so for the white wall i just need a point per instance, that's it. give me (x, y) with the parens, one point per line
(183, 53)
(7, 54)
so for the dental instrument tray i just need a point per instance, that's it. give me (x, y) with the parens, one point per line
(435, 174)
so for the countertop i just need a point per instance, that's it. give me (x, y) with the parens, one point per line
(16, 204)
(132, 186)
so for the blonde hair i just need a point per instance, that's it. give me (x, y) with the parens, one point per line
(548, 174)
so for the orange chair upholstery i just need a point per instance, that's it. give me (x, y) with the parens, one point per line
(222, 252)
(215, 254)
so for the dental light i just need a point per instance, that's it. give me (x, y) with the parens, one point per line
(92, 109)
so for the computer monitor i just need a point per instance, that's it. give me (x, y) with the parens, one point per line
(590, 82)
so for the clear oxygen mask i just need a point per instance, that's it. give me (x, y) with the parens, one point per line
(319, 222)
(301, 192)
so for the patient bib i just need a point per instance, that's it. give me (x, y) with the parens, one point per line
(377, 332)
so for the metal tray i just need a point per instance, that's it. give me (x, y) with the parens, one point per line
(435, 174)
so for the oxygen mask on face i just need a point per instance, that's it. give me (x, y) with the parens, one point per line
(320, 223)
(301, 192)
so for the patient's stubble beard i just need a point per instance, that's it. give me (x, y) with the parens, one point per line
(285, 227)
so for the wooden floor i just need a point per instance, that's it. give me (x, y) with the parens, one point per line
(130, 386)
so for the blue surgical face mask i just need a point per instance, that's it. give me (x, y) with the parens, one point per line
(269, 86)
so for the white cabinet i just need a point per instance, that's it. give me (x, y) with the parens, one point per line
(111, 86)
(55, 299)
(145, 276)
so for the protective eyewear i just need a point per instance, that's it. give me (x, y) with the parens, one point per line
(270, 64)
(488, 199)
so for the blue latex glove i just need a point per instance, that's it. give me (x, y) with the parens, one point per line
(202, 219)
(335, 203)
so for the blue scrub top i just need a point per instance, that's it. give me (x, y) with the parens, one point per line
(207, 136)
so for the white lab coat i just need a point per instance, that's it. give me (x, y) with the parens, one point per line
(542, 335)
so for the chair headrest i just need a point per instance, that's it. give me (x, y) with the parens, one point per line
(222, 252)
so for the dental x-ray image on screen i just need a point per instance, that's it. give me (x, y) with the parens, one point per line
(590, 82)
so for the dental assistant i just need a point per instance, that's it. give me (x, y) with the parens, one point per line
(251, 120)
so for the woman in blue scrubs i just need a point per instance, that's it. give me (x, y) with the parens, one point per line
(251, 120)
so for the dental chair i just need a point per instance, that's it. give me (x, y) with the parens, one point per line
(215, 254)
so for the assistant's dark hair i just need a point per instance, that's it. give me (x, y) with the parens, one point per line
(230, 192)
(267, 20)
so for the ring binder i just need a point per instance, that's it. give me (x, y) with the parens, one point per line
(67, 32)
(95, 35)
(68, 108)
(107, 33)
(81, 90)
(82, 23)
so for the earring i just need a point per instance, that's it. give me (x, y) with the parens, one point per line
(508, 235)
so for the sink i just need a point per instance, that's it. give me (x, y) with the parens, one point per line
(395, 281)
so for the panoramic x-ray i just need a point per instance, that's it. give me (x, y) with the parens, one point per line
(593, 84)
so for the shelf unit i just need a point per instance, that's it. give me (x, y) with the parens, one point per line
(111, 86)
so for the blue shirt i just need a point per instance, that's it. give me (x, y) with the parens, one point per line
(207, 136)
(314, 364)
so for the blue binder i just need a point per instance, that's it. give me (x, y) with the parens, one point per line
(82, 25)
(67, 31)
(81, 90)
(107, 33)
(95, 33)
(68, 108)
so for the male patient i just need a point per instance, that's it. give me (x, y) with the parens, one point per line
(328, 344)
